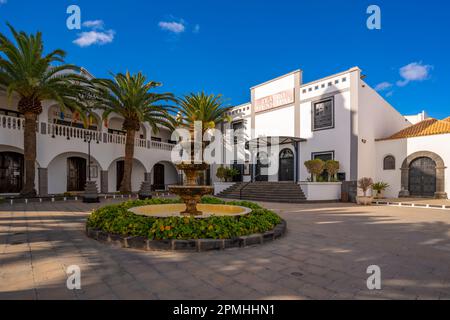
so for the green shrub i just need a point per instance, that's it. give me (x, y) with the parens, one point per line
(116, 219)
(212, 200)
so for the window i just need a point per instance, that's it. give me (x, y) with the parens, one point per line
(389, 163)
(323, 114)
(324, 156)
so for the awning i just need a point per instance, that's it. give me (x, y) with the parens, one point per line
(274, 140)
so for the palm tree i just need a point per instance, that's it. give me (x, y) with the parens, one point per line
(131, 97)
(31, 76)
(207, 109)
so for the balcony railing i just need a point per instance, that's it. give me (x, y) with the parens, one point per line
(12, 123)
(57, 130)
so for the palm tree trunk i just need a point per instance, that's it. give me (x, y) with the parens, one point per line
(29, 151)
(125, 186)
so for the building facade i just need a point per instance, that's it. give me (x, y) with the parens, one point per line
(339, 117)
(63, 152)
(286, 123)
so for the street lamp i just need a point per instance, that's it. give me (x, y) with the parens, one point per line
(90, 191)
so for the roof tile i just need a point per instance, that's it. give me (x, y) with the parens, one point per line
(426, 127)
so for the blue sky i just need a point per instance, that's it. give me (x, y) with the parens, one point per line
(228, 46)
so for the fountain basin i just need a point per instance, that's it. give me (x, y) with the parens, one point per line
(173, 210)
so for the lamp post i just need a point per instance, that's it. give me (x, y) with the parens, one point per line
(90, 191)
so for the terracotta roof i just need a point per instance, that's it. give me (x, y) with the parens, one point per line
(426, 127)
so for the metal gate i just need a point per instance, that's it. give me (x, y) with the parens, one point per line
(422, 177)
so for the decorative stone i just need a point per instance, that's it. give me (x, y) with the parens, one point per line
(91, 192)
(145, 191)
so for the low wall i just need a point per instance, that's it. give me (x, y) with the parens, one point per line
(221, 186)
(321, 191)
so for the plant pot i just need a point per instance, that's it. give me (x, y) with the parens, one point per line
(364, 200)
(379, 194)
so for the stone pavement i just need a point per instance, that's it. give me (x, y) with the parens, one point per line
(324, 255)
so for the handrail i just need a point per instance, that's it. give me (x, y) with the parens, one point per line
(246, 185)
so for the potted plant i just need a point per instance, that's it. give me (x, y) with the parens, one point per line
(332, 167)
(380, 187)
(231, 173)
(364, 184)
(221, 173)
(315, 168)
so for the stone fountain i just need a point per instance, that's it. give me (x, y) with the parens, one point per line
(191, 193)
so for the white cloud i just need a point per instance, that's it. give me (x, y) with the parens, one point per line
(415, 71)
(94, 24)
(383, 86)
(196, 28)
(86, 39)
(172, 26)
(390, 94)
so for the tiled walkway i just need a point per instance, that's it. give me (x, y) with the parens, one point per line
(324, 255)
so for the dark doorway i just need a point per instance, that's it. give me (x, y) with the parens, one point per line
(11, 172)
(239, 167)
(76, 174)
(286, 168)
(422, 177)
(262, 165)
(120, 168)
(158, 177)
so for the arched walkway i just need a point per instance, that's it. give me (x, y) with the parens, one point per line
(115, 174)
(413, 169)
(68, 172)
(162, 175)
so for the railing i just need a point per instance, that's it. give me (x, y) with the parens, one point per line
(57, 130)
(116, 138)
(13, 123)
(161, 145)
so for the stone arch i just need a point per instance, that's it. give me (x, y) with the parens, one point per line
(440, 173)
(170, 173)
(137, 176)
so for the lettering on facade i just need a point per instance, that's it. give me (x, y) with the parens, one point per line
(274, 101)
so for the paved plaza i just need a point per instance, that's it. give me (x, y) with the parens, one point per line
(324, 255)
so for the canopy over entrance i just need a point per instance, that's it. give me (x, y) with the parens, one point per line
(273, 140)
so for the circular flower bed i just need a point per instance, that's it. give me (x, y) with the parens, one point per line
(116, 223)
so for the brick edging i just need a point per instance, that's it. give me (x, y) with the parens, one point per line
(197, 245)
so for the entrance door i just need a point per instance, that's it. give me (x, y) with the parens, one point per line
(422, 177)
(286, 168)
(262, 165)
(76, 174)
(158, 177)
(120, 166)
(11, 172)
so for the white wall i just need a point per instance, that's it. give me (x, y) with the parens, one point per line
(377, 119)
(279, 122)
(402, 148)
(336, 139)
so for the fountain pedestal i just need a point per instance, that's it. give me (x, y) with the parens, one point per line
(191, 193)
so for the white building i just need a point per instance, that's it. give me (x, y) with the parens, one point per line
(62, 152)
(337, 117)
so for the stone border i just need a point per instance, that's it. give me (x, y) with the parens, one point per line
(198, 245)
(411, 205)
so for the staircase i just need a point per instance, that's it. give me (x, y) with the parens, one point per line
(286, 192)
